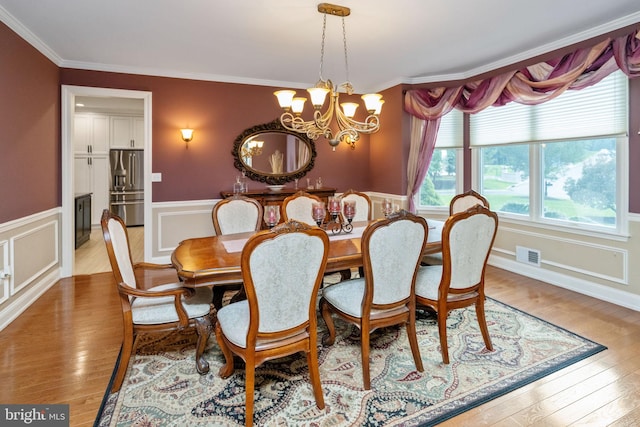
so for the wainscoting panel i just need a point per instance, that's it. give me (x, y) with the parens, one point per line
(177, 221)
(35, 251)
(30, 258)
(583, 257)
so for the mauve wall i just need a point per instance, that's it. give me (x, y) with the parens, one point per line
(29, 129)
(390, 146)
(219, 112)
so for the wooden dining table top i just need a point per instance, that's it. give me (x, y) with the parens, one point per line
(212, 260)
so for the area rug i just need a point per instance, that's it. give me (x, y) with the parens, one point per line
(162, 387)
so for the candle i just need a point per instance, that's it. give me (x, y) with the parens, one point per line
(334, 205)
(349, 209)
(317, 211)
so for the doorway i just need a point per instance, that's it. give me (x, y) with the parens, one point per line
(107, 98)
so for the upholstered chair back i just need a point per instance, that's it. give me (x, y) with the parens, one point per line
(462, 202)
(470, 240)
(119, 243)
(284, 273)
(364, 211)
(393, 252)
(237, 215)
(298, 207)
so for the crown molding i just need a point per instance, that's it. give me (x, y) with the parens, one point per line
(28, 36)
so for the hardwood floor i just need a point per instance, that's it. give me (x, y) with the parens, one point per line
(92, 257)
(63, 348)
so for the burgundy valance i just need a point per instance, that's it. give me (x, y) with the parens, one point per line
(533, 84)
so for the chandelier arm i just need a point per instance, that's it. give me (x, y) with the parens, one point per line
(370, 125)
(296, 124)
(322, 120)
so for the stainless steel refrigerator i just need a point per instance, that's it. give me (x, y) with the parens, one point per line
(127, 185)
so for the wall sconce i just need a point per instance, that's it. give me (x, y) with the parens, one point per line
(187, 135)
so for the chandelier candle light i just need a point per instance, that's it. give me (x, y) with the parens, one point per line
(349, 129)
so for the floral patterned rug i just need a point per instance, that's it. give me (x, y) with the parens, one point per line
(162, 387)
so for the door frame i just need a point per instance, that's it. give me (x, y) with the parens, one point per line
(68, 94)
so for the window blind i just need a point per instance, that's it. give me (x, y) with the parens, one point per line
(597, 111)
(450, 131)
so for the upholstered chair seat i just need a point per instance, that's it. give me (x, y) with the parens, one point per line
(149, 311)
(347, 297)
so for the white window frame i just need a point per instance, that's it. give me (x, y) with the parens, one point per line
(536, 194)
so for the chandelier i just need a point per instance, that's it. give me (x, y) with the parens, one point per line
(349, 129)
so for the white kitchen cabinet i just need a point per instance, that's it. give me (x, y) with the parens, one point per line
(91, 134)
(92, 175)
(126, 131)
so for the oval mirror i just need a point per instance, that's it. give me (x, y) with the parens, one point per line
(272, 154)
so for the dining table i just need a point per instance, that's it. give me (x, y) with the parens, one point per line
(215, 260)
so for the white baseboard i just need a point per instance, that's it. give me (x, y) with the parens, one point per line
(595, 290)
(27, 297)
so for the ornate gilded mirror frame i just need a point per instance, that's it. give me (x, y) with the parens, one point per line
(242, 160)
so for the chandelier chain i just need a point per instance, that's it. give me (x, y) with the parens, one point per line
(344, 42)
(324, 27)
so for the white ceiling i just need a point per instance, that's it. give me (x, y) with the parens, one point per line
(277, 42)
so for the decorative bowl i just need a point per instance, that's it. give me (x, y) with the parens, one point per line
(275, 188)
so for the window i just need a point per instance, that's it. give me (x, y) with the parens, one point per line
(505, 178)
(444, 177)
(560, 162)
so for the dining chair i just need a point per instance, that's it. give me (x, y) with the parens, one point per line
(467, 239)
(237, 214)
(385, 296)
(364, 212)
(288, 260)
(459, 203)
(298, 207)
(364, 209)
(152, 308)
